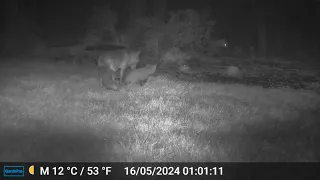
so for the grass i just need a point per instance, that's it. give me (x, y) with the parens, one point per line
(52, 112)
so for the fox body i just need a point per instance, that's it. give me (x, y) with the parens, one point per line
(140, 75)
(106, 79)
(119, 59)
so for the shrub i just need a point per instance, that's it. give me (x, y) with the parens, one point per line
(185, 28)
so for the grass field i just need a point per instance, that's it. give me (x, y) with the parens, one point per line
(59, 112)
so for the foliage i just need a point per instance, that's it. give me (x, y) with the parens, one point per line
(189, 28)
(101, 26)
(184, 28)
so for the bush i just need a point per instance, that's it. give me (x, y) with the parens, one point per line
(185, 28)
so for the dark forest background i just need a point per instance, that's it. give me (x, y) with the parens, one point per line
(280, 27)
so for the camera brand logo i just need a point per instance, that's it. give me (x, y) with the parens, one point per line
(13, 171)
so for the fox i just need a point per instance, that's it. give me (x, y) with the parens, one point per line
(119, 59)
(140, 75)
(106, 79)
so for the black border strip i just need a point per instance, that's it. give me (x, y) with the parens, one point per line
(235, 171)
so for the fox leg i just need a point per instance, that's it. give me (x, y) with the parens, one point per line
(101, 81)
(121, 74)
(113, 77)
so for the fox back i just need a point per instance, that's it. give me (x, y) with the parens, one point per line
(137, 75)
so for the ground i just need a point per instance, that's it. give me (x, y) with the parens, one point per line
(56, 111)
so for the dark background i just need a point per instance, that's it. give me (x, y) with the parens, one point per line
(281, 27)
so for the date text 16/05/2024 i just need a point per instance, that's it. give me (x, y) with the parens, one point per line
(172, 171)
